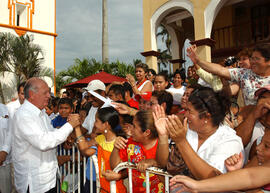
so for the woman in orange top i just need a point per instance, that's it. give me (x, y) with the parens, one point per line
(107, 123)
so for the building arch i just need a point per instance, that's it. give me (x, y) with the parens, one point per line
(210, 14)
(175, 16)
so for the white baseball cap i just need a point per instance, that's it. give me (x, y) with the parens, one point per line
(95, 85)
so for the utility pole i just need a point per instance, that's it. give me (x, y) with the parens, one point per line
(105, 45)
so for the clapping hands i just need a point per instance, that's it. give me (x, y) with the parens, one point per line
(169, 126)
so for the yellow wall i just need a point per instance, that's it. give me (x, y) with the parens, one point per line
(224, 38)
(150, 7)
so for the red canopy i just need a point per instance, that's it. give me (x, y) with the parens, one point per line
(102, 76)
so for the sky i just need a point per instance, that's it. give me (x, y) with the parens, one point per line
(79, 29)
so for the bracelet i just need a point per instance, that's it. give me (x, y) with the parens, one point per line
(77, 139)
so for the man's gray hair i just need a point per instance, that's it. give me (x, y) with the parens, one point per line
(30, 85)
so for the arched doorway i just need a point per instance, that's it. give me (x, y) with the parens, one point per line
(177, 19)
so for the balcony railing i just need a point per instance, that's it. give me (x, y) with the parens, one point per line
(242, 35)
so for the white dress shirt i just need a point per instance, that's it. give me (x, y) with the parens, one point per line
(13, 107)
(91, 118)
(218, 147)
(33, 149)
(5, 133)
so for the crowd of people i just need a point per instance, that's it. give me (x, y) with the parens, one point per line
(203, 128)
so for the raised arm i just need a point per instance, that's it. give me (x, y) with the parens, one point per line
(248, 178)
(83, 144)
(162, 152)
(213, 68)
(120, 143)
(245, 129)
(37, 135)
(146, 88)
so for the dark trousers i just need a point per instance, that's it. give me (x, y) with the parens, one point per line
(53, 190)
(86, 188)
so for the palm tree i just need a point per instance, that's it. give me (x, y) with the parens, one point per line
(165, 37)
(27, 59)
(23, 58)
(81, 69)
(105, 49)
(121, 69)
(5, 38)
(163, 58)
(165, 55)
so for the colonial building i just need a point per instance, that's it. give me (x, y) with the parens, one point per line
(220, 28)
(32, 17)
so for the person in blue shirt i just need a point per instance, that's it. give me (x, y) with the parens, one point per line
(65, 108)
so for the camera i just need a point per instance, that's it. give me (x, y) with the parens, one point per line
(230, 61)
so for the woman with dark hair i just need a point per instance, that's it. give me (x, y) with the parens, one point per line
(178, 89)
(143, 85)
(151, 74)
(202, 141)
(161, 81)
(107, 125)
(249, 80)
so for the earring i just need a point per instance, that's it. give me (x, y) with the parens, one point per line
(105, 131)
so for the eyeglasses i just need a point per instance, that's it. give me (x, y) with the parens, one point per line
(255, 59)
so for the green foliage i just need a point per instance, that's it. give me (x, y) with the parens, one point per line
(22, 57)
(87, 67)
(165, 55)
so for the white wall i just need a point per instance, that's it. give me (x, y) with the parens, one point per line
(43, 20)
(4, 12)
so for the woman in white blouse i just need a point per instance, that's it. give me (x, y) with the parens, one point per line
(178, 89)
(202, 141)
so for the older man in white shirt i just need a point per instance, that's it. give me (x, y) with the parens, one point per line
(15, 105)
(5, 170)
(34, 140)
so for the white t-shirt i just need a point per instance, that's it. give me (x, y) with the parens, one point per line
(218, 147)
(91, 118)
(258, 131)
(177, 94)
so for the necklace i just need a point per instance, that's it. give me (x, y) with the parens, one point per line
(140, 84)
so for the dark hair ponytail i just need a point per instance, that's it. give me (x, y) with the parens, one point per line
(110, 115)
(205, 100)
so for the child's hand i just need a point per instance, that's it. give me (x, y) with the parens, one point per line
(120, 143)
(111, 175)
(144, 164)
(234, 162)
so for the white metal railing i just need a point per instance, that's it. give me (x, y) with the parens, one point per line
(76, 176)
(131, 166)
(76, 181)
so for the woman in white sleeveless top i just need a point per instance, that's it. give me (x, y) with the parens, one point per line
(142, 85)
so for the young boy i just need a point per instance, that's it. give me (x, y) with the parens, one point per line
(65, 107)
